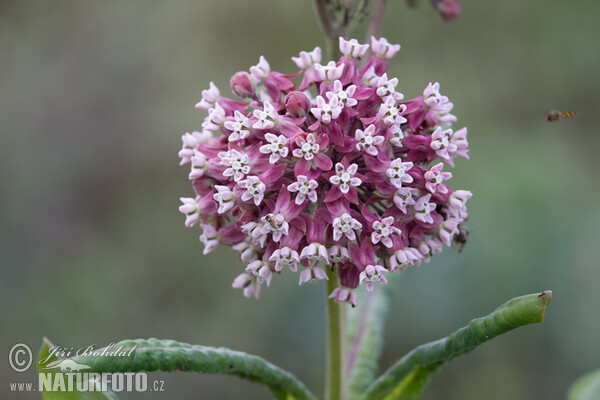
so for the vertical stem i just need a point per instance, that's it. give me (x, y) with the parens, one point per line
(376, 25)
(334, 389)
(331, 34)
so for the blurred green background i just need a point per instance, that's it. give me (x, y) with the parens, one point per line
(95, 96)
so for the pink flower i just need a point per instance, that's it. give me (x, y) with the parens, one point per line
(342, 96)
(367, 141)
(404, 197)
(191, 141)
(309, 149)
(305, 188)
(391, 112)
(199, 165)
(209, 238)
(435, 177)
(312, 275)
(307, 60)
(275, 224)
(387, 88)
(242, 84)
(329, 72)
(423, 209)
(371, 275)
(255, 189)
(352, 49)
(224, 198)
(397, 172)
(209, 97)
(383, 231)
(327, 111)
(266, 118)
(285, 258)
(343, 295)
(250, 286)
(239, 127)
(215, 119)
(344, 177)
(345, 225)
(260, 271)
(190, 210)
(277, 147)
(397, 135)
(382, 48)
(339, 174)
(237, 163)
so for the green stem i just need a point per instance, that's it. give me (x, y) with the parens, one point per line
(335, 340)
(329, 31)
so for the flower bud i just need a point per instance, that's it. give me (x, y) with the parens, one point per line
(242, 84)
(297, 104)
(449, 10)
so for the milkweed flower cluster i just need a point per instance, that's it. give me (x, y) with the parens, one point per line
(326, 168)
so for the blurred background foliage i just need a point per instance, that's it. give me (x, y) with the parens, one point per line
(95, 96)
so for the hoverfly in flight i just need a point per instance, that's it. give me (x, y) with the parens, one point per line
(559, 115)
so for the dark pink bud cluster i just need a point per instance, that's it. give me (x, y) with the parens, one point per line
(338, 172)
(449, 10)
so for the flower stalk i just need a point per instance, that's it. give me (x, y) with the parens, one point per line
(335, 314)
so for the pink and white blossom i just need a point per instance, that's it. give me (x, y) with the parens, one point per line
(237, 164)
(383, 231)
(209, 97)
(199, 165)
(225, 198)
(327, 167)
(345, 225)
(367, 141)
(343, 96)
(382, 48)
(266, 118)
(371, 275)
(255, 189)
(391, 112)
(397, 172)
(285, 258)
(239, 127)
(352, 49)
(435, 177)
(404, 197)
(191, 141)
(423, 208)
(344, 177)
(260, 271)
(312, 275)
(344, 295)
(277, 147)
(209, 237)
(327, 111)
(329, 72)
(215, 119)
(306, 189)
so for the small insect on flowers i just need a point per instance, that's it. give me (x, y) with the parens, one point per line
(272, 222)
(460, 239)
(559, 115)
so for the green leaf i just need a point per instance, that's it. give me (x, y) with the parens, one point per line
(411, 387)
(586, 388)
(365, 340)
(44, 361)
(513, 314)
(168, 355)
